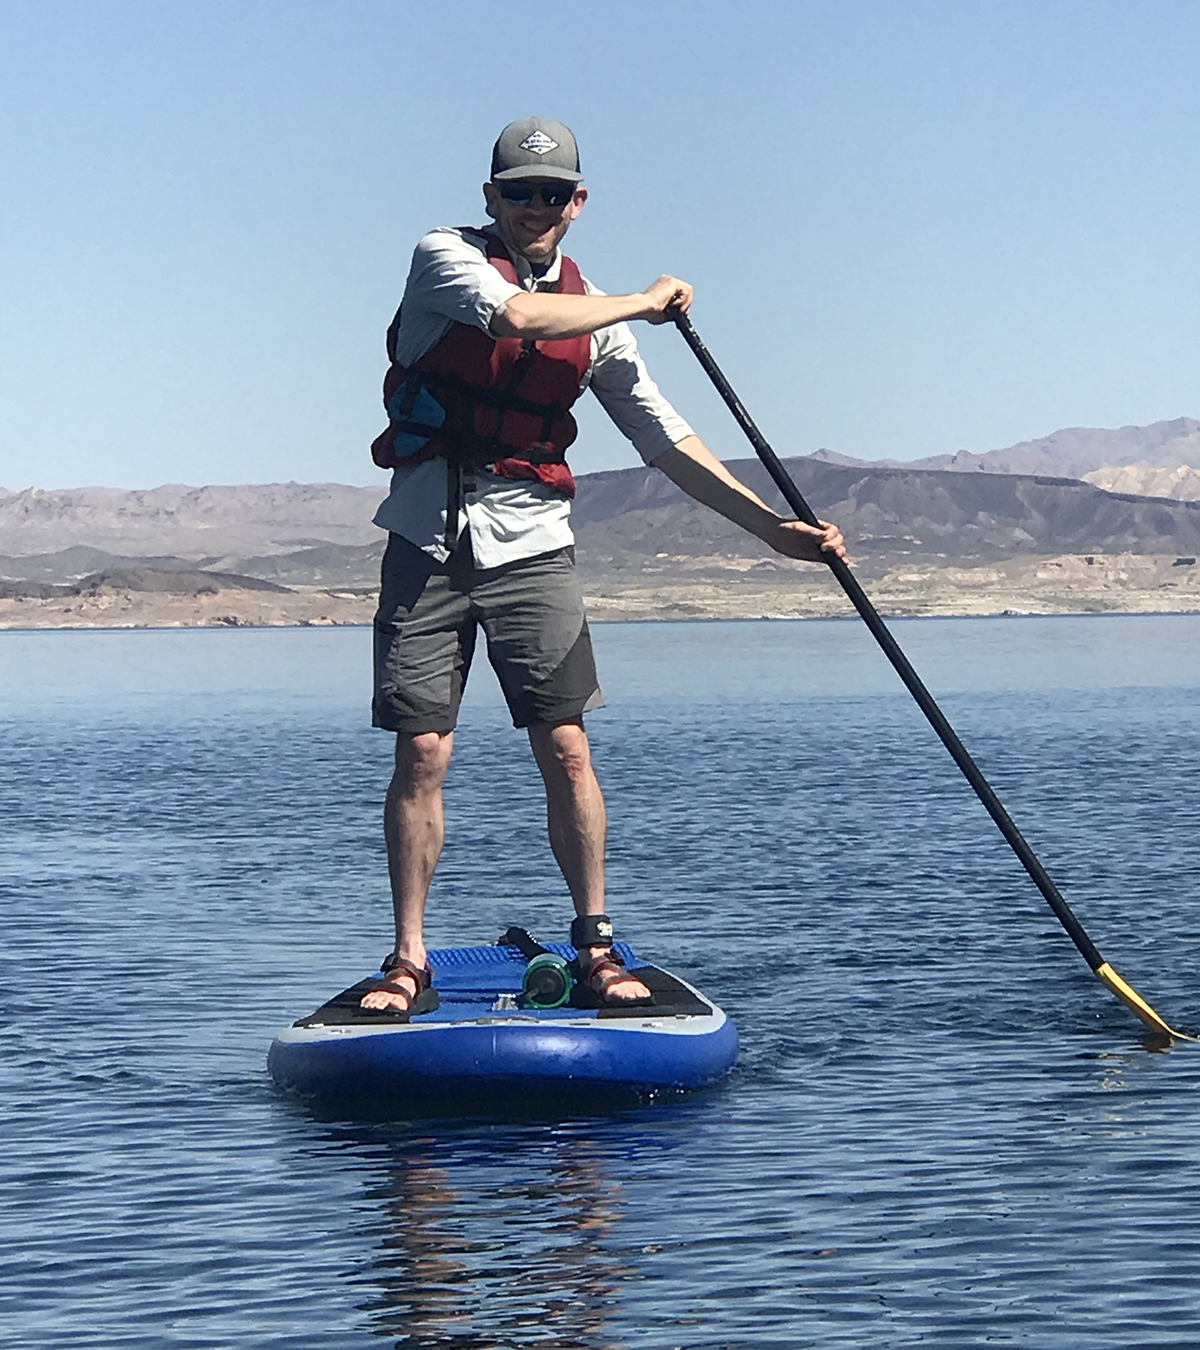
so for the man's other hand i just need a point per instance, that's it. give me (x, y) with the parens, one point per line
(795, 539)
(666, 294)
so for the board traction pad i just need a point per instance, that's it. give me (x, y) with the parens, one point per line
(470, 980)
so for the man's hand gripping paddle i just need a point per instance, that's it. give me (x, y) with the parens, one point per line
(925, 701)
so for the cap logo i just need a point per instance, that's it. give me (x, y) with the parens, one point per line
(539, 143)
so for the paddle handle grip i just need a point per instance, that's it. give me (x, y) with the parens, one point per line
(891, 649)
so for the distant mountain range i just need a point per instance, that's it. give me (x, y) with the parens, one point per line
(190, 522)
(887, 514)
(1025, 500)
(1070, 453)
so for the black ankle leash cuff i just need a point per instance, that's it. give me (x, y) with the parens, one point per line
(593, 930)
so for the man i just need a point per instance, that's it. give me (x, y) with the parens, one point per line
(497, 335)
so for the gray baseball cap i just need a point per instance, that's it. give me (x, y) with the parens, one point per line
(536, 147)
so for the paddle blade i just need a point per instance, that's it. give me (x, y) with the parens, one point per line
(1135, 1002)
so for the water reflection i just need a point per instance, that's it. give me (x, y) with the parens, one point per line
(524, 1253)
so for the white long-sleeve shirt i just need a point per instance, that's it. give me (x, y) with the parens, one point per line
(451, 281)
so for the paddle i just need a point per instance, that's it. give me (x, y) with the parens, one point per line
(925, 701)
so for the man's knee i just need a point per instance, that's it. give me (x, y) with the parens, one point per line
(421, 761)
(563, 746)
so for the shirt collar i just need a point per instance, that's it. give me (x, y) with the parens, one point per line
(525, 277)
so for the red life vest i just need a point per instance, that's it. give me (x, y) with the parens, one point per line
(506, 401)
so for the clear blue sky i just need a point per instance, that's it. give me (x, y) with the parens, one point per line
(913, 228)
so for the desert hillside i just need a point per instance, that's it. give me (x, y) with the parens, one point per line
(1147, 480)
(958, 537)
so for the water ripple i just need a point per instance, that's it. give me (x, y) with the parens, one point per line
(941, 1131)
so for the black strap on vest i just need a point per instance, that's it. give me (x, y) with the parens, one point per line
(465, 448)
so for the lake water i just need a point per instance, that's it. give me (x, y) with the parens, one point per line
(941, 1131)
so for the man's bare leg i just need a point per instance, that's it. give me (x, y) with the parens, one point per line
(576, 817)
(414, 830)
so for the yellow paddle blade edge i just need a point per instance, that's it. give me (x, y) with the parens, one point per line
(1136, 1003)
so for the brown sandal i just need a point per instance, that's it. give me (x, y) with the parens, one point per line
(605, 971)
(424, 1000)
(597, 975)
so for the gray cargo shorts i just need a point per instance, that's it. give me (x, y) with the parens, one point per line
(531, 613)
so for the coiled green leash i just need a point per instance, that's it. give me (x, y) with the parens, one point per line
(546, 982)
(547, 979)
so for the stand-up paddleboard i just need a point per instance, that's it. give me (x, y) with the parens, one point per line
(488, 1039)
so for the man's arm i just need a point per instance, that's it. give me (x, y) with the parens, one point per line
(692, 466)
(545, 316)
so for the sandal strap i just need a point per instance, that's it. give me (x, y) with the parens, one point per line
(393, 963)
(389, 988)
(611, 970)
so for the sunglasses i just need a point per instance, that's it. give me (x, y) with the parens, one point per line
(522, 191)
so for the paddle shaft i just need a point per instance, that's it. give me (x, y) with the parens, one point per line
(891, 649)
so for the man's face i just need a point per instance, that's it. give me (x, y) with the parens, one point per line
(534, 227)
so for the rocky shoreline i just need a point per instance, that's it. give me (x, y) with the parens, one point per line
(1062, 584)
